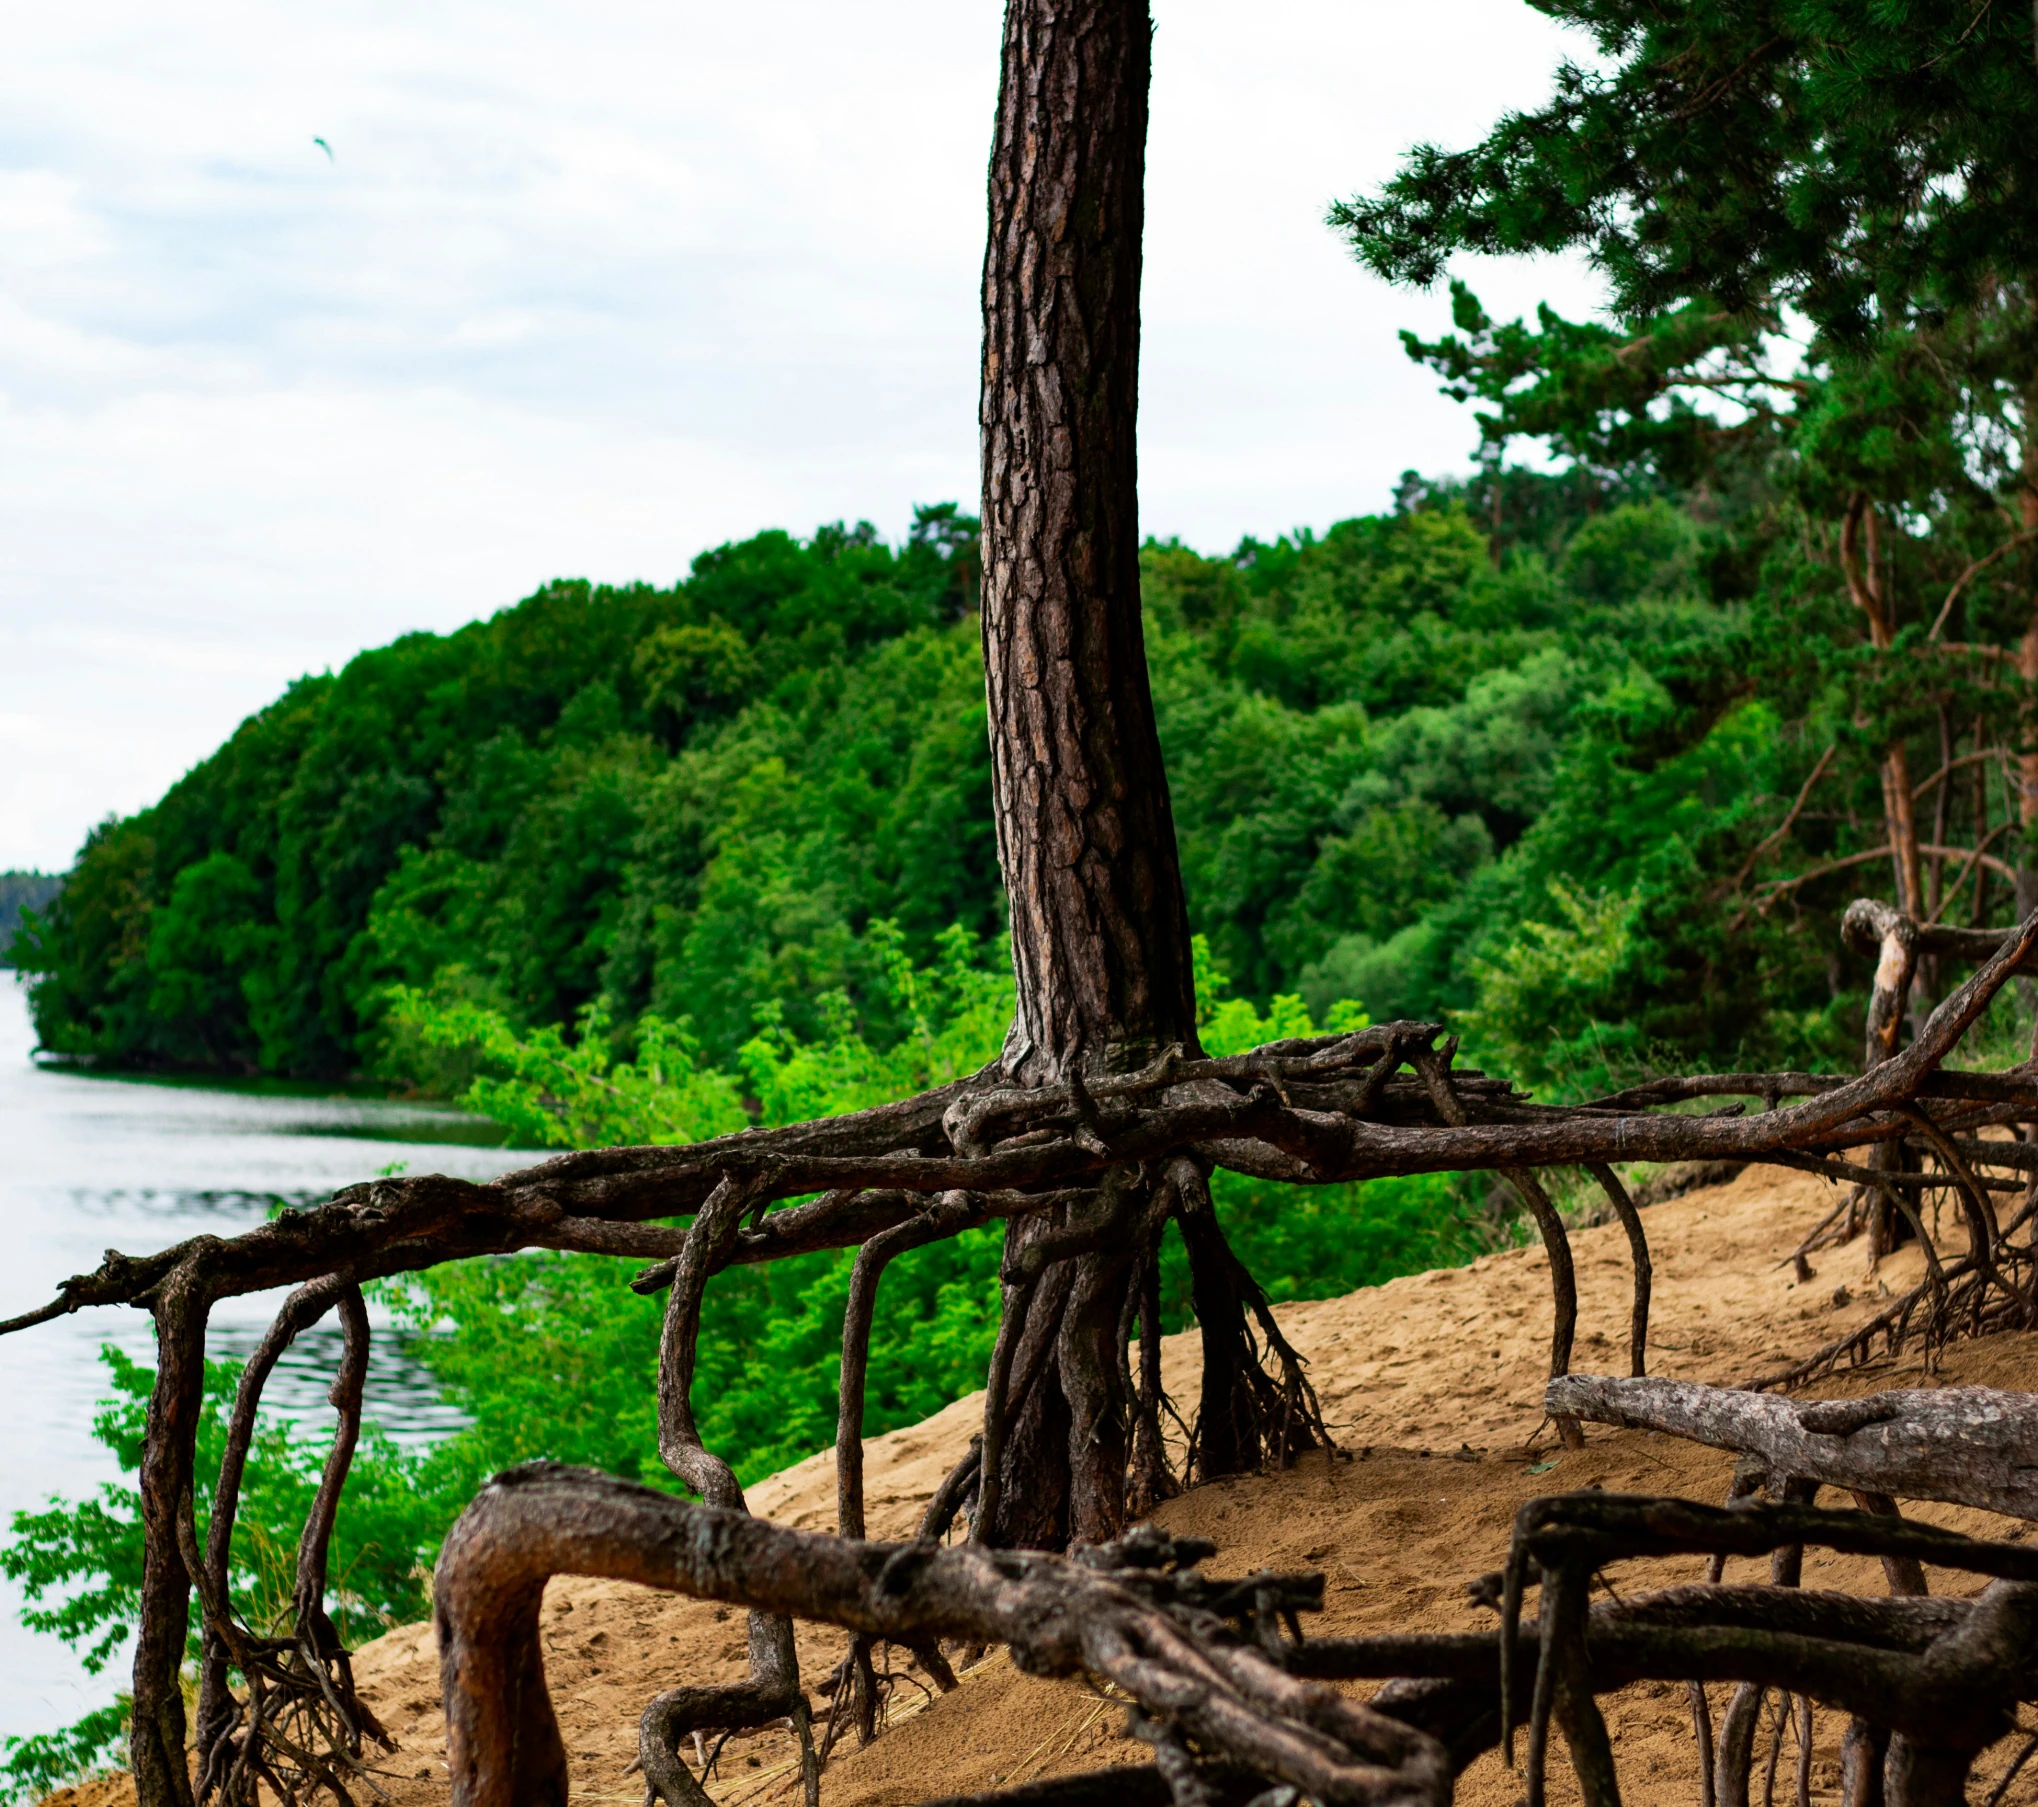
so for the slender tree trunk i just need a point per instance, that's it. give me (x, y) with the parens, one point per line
(1086, 840)
(1862, 566)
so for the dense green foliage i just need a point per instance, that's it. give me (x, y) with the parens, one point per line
(1818, 224)
(740, 803)
(703, 794)
(1863, 164)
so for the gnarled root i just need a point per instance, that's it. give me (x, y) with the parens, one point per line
(678, 1713)
(1929, 1681)
(1248, 1416)
(1967, 1445)
(1200, 1657)
(299, 1727)
(773, 1688)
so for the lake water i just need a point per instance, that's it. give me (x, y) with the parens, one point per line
(88, 1164)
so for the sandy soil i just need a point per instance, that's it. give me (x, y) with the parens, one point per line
(1433, 1385)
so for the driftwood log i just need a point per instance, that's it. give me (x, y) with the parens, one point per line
(1971, 1446)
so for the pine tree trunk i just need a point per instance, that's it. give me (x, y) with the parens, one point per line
(1086, 840)
(1100, 935)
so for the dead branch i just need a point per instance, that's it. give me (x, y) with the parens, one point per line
(1973, 1446)
(1974, 570)
(1205, 1663)
(1781, 833)
(1972, 864)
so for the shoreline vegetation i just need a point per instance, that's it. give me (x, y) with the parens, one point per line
(1413, 764)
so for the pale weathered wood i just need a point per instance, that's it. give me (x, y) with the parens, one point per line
(1971, 1446)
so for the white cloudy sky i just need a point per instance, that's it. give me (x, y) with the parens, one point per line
(584, 289)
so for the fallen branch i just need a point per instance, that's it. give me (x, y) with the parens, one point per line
(1781, 832)
(1973, 1446)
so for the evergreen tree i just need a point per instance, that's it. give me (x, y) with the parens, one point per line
(1817, 226)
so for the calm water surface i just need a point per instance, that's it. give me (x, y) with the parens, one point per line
(88, 1164)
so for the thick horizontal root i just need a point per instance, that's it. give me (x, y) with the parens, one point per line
(1186, 1651)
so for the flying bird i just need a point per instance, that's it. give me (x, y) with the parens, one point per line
(322, 145)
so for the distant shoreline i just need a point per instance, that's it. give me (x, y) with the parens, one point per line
(23, 891)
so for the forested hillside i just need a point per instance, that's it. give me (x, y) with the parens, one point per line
(1623, 731)
(1412, 764)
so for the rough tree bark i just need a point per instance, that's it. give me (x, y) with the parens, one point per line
(156, 1732)
(1086, 840)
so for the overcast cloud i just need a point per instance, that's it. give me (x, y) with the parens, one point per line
(585, 289)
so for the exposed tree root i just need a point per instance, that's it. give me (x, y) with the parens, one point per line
(1201, 1659)
(1932, 1682)
(1218, 1676)
(298, 1726)
(773, 1688)
(1971, 1445)
(1088, 1174)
